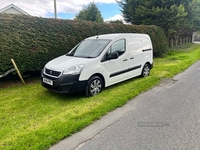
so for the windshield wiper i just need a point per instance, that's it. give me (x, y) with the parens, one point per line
(69, 54)
(89, 57)
(80, 56)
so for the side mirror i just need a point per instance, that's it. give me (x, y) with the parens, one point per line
(113, 55)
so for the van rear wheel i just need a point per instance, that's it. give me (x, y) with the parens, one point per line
(94, 86)
(146, 70)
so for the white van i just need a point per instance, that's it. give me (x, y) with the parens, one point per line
(98, 62)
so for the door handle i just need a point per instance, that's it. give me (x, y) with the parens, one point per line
(125, 60)
(132, 58)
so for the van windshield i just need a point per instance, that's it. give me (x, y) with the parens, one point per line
(90, 48)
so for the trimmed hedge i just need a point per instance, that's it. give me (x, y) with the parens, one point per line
(33, 41)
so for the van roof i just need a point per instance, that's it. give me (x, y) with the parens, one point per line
(118, 35)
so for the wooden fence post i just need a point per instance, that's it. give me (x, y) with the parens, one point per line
(19, 74)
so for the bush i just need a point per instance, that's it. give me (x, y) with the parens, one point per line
(33, 41)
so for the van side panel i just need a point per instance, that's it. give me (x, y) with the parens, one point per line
(140, 49)
(148, 51)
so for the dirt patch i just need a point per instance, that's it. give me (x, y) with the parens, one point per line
(12, 82)
(168, 82)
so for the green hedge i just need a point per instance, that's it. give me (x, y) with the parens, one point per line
(33, 41)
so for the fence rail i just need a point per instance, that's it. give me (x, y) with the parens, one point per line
(7, 72)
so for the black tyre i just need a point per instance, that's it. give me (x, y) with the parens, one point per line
(94, 86)
(146, 70)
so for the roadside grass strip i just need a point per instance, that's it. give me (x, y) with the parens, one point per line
(31, 117)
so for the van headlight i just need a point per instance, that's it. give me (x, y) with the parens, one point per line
(74, 70)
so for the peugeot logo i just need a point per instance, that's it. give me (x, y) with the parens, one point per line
(51, 72)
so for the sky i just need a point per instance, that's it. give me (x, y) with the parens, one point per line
(66, 9)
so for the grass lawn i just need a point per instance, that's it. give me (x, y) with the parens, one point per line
(34, 118)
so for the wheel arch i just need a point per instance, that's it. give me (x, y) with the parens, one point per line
(151, 65)
(144, 71)
(101, 76)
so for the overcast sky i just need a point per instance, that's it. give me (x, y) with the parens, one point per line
(66, 9)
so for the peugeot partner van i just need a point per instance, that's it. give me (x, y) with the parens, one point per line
(98, 62)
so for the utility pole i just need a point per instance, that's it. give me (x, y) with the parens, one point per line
(55, 11)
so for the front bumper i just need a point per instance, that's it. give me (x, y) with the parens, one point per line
(64, 84)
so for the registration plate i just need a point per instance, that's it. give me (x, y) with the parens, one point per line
(47, 81)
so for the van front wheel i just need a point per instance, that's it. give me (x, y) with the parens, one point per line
(94, 86)
(146, 70)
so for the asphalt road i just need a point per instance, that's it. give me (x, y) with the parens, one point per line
(164, 118)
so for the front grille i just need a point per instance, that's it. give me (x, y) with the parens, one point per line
(50, 77)
(52, 72)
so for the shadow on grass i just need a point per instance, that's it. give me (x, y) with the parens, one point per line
(123, 83)
(64, 96)
(81, 95)
(76, 96)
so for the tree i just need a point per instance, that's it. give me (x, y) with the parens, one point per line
(173, 16)
(90, 13)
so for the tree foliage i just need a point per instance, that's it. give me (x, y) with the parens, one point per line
(90, 13)
(170, 15)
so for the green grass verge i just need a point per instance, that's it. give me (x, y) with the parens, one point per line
(34, 118)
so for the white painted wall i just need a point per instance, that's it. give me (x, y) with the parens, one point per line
(12, 11)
